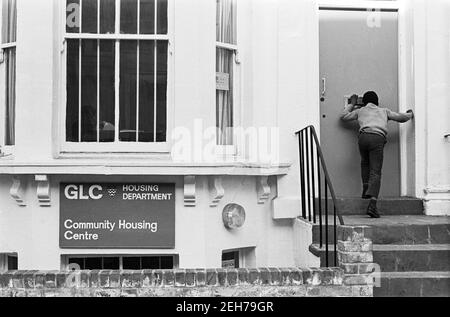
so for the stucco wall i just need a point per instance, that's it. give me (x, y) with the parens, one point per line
(432, 99)
(33, 231)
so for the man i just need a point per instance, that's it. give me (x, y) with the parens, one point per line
(373, 123)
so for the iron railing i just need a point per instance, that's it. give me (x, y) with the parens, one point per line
(315, 186)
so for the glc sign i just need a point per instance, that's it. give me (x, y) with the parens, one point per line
(77, 192)
(124, 216)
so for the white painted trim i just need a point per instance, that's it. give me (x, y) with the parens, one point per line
(115, 147)
(370, 4)
(8, 45)
(190, 195)
(226, 151)
(420, 96)
(137, 167)
(17, 190)
(263, 189)
(230, 47)
(402, 98)
(43, 190)
(438, 190)
(437, 201)
(217, 190)
(7, 149)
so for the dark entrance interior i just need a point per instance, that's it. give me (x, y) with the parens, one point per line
(124, 263)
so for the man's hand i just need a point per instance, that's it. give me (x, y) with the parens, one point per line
(411, 113)
(354, 100)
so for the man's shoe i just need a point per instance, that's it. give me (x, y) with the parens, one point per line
(366, 196)
(372, 210)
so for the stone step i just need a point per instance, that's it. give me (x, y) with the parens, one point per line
(413, 284)
(412, 258)
(386, 206)
(403, 230)
(400, 258)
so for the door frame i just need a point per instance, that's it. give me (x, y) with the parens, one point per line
(405, 78)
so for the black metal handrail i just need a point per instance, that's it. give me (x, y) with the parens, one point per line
(312, 167)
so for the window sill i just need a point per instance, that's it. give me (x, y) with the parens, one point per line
(6, 157)
(139, 167)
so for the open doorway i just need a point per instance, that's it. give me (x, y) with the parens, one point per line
(359, 50)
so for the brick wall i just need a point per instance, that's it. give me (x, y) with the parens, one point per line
(355, 256)
(269, 282)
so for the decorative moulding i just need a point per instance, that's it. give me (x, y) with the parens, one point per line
(217, 190)
(263, 189)
(189, 191)
(437, 190)
(17, 191)
(43, 190)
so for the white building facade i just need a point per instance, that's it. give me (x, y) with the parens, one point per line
(205, 96)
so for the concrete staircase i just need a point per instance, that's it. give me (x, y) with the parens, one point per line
(413, 250)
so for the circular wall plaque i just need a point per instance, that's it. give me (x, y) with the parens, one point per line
(233, 216)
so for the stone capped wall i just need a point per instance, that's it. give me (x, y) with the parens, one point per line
(263, 282)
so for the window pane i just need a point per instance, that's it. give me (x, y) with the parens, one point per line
(224, 98)
(128, 16)
(226, 21)
(12, 263)
(128, 78)
(107, 91)
(147, 23)
(146, 91)
(167, 262)
(9, 21)
(151, 263)
(72, 120)
(111, 263)
(161, 91)
(10, 112)
(89, 16)
(131, 263)
(162, 16)
(89, 91)
(107, 16)
(93, 264)
(78, 261)
(73, 16)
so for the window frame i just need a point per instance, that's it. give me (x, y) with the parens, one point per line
(5, 150)
(117, 146)
(230, 151)
(65, 258)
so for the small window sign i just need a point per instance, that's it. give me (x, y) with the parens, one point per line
(222, 81)
(230, 260)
